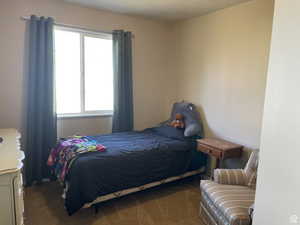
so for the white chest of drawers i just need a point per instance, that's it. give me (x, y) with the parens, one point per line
(11, 185)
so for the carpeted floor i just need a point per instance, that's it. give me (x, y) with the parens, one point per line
(171, 204)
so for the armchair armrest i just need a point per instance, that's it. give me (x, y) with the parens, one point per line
(230, 176)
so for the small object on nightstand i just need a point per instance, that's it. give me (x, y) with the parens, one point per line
(219, 149)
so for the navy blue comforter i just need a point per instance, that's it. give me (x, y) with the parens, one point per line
(131, 159)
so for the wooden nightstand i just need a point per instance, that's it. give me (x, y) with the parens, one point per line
(219, 149)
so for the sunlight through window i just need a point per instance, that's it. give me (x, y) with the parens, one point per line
(84, 72)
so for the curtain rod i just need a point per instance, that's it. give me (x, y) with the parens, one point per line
(75, 27)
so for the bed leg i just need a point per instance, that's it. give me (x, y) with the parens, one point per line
(96, 208)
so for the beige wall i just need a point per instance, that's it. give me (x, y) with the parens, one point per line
(278, 185)
(152, 94)
(217, 61)
(222, 65)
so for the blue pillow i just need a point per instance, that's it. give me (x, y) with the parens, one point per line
(178, 107)
(170, 132)
(192, 120)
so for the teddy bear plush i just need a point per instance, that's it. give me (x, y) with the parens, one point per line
(178, 122)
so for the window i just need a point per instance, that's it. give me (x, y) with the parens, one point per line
(83, 72)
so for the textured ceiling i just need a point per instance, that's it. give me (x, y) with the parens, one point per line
(161, 9)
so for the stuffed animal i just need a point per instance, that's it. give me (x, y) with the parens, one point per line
(178, 122)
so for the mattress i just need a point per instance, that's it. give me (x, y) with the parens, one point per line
(131, 159)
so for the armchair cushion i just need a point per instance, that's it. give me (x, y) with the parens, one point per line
(230, 203)
(230, 176)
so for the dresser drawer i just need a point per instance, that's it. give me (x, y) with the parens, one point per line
(11, 184)
(7, 206)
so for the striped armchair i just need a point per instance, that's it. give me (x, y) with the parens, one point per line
(228, 199)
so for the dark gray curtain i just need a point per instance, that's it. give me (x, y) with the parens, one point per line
(123, 98)
(41, 117)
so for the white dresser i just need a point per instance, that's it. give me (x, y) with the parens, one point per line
(11, 185)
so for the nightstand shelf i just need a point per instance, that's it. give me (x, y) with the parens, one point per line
(219, 149)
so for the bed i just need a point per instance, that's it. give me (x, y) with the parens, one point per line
(132, 161)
